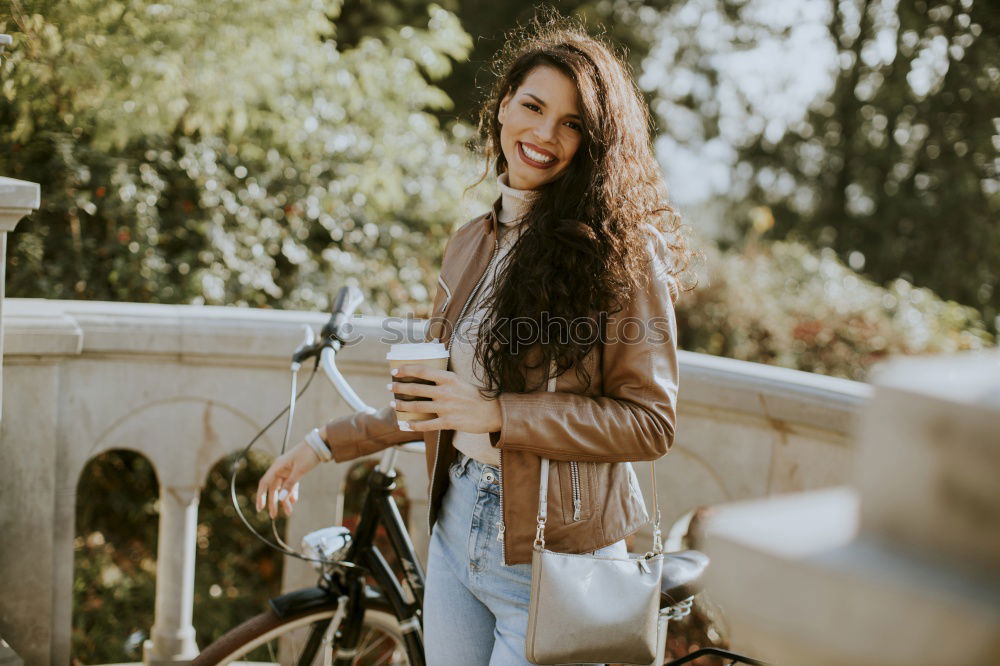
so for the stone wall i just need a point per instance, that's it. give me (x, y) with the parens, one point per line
(187, 385)
(900, 567)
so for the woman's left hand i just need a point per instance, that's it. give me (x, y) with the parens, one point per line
(457, 403)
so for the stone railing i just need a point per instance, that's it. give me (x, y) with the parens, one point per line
(900, 567)
(17, 199)
(187, 385)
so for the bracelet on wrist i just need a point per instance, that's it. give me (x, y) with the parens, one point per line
(316, 443)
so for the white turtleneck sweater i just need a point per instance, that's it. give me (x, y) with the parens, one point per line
(514, 205)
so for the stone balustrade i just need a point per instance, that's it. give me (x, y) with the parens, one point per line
(903, 565)
(17, 199)
(187, 385)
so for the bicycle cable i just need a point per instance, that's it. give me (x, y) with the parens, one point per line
(242, 458)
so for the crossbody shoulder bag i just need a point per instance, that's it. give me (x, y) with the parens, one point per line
(589, 608)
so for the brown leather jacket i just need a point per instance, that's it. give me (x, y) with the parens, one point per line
(590, 433)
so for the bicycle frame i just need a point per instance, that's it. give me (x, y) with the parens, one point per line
(380, 509)
(346, 584)
(339, 584)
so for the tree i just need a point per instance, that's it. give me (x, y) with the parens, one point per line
(230, 153)
(909, 185)
(623, 21)
(860, 125)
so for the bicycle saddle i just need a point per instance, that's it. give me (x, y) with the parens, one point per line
(681, 576)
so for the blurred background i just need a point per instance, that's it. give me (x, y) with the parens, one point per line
(836, 161)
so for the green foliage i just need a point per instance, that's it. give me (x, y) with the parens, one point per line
(236, 573)
(901, 159)
(115, 557)
(358, 19)
(230, 153)
(781, 303)
(624, 21)
(867, 127)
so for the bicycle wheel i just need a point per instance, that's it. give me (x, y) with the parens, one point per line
(267, 638)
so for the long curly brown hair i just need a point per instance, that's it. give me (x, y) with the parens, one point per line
(582, 250)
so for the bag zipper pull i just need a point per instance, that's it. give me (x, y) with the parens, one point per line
(576, 508)
(500, 530)
(643, 565)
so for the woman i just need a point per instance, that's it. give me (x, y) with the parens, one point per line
(573, 268)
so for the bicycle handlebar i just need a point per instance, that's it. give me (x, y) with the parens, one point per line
(329, 342)
(347, 301)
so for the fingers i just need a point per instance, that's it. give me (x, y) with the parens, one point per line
(273, 488)
(423, 406)
(288, 499)
(262, 487)
(283, 496)
(279, 485)
(271, 485)
(430, 424)
(414, 389)
(418, 371)
(274, 496)
(428, 391)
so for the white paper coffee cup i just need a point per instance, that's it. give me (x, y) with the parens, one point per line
(431, 354)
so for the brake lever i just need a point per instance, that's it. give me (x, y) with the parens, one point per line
(348, 300)
(310, 336)
(308, 342)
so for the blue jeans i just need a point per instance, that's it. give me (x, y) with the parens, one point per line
(475, 607)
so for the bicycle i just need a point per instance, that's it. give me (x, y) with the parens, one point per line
(345, 620)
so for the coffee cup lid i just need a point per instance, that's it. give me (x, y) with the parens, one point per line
(416, 351)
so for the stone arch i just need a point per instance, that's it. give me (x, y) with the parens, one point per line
(163, 430)
(685, 480)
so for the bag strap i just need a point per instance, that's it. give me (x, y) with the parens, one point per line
(543, 491)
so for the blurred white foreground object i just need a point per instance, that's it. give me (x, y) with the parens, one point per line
(901, 568)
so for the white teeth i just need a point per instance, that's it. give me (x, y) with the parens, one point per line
(538, 157)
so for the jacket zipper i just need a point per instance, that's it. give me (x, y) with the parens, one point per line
(501, 526)
(437, 450)
(574, 470)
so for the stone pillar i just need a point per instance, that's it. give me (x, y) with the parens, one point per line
(903, 568)
(35, 563)
(172, 639)
(17, 199)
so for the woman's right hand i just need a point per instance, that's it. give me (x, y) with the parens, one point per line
(280, 483)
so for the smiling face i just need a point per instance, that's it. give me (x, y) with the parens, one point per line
(541, 128)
